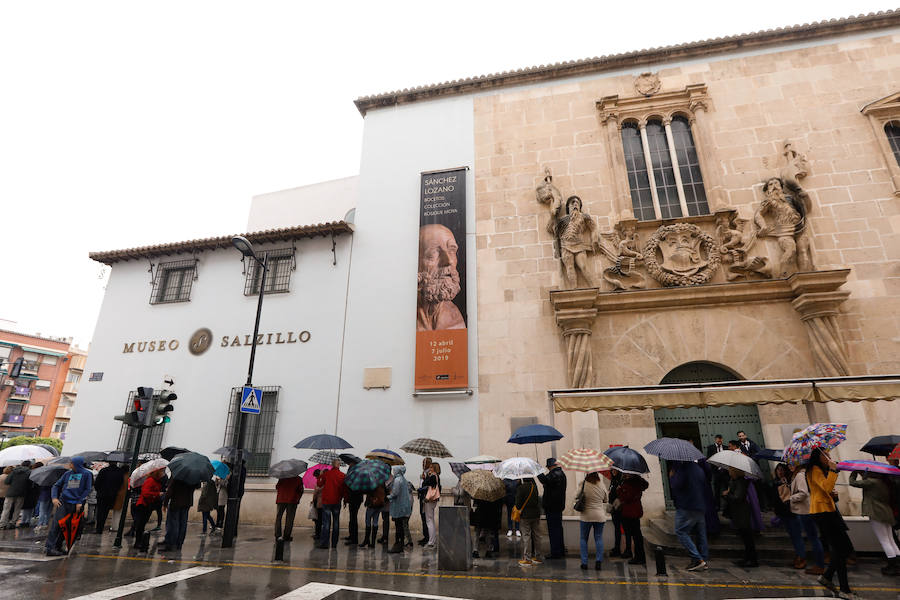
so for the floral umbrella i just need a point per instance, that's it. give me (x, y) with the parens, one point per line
(820, 435)
(895, 453)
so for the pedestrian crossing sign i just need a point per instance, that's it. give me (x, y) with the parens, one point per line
(251, 400)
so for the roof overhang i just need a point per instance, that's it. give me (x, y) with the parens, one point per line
(259, 237)
(728, 393)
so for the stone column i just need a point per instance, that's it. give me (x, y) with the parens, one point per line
(575, 314)
(619, 174)
(818, 311)
(709, 166)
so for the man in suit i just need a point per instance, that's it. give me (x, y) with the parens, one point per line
(720, 475)
(747, 446)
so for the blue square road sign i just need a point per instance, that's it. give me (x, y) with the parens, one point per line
(251, 400)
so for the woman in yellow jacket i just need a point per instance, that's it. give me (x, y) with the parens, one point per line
(821, 477)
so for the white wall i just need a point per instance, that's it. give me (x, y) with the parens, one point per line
(322, 202)
(398, 144)
(307, 373)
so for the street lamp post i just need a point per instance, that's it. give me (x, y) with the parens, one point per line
(235, 486)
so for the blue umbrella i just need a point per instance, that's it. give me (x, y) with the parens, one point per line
(534, 434)
(673, 449)
(769, 454)
(323, 441)
(627, 460)
(221, 469)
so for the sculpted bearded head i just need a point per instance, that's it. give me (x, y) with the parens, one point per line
(774, 188)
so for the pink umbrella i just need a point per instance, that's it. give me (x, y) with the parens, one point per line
(309, 480)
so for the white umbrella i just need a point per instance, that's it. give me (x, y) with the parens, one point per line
(738, 460)
(482, 459)
(518, 467)
(140, 474)
(14, 455)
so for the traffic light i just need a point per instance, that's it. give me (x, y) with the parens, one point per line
(161, 407)
(16, 369)
(141, 402)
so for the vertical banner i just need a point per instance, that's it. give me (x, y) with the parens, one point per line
(442, 359)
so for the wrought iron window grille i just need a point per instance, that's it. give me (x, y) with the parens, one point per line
(281, 263)
(259, 438)
(172, 281)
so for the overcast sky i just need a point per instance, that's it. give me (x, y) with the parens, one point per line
(129, 123)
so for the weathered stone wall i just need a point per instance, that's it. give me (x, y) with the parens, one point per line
(809, 96)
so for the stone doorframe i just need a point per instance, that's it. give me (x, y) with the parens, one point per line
(814, 295)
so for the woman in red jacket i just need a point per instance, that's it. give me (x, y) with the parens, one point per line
(149, 500)
(629, 494)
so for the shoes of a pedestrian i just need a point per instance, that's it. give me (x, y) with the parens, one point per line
(583, 566)
(395, 549)
(747, 564)
(826, 583)
(537, 561)
(847, 595)
(697, 565)
(349, 542)
(475, 554)
(157, 528)
(626, 554)
(490, 554)
(163, 548)
(423, 541)
(518, 534)
(637, 561)
(509, 533)
(598, 566)
(615, 553)
(525, 562)
(54, 552)
(814, 570)
(799, 563)
(429, 545)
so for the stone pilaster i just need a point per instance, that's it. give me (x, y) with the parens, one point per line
(817, 300)
(575, 313)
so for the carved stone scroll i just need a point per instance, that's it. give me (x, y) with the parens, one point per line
(818, 311)
(575, 313)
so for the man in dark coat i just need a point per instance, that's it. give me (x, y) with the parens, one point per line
(719, 474)
(554, 503)
(486, 519)
(19, 485)
(108, 483)
(747, 446)
(687, 483)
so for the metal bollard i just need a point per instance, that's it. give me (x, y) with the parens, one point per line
(279, 550)
(660, 562)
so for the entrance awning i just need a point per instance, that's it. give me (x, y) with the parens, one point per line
(727, 393)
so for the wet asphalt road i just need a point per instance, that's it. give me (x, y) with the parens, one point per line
(247, 571)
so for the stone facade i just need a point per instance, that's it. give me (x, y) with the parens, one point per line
(749, 107)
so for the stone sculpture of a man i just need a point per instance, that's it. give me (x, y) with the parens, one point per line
(782, 215)
(577, 234)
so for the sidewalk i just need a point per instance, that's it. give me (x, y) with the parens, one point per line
(255, 547)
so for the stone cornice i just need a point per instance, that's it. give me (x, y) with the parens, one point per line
(816, 282)
(633, 60)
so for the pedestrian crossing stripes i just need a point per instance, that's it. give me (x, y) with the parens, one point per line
(320, 591)
(146, 584)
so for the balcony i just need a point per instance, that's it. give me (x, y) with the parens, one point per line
(64, 412)
(13, 419)
(20, 392)
(70, 387)
(30, 367)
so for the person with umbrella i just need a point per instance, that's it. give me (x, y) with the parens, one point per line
(177, 501)
(509, 501)
(629, 495)
(821, 477)
(108, 483)
(486, 518)
(687, 483)
(431, 484)
(799, 503)
(400, 500)
(554, 503)
(68, 495)
(18, 485)
(355, 502)
(426, 467)
(738, 509)
(876, 504)
(333, 492)
(374, 502)
(208, 502)
(148, 501)
(31, 497)
(288, 492)
(528, 503)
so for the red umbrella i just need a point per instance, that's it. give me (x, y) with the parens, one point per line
(70, 526)
(895, 453)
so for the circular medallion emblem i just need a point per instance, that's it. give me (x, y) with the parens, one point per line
(689, 256)
(200, 341)
(647, 84)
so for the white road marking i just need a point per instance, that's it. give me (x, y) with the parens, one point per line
(28, 556)
(319, 591)
(140, 586)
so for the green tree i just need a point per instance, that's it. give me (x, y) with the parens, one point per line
(23, 440)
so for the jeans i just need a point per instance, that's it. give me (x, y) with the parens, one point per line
(11, 508)
(531, 533)
(372, 516)
(555, 533)
(289, 511)
(331, 522)
(176, 526)
(510, 524)
(686, 522)
(55, 535)
(617, 533)
(586, 527)
(796, 525)
(429, 520)
(207, 516)
(45, 511)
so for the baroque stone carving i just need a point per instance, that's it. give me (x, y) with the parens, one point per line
(689, 256)
(622, 249)
(574, 232)
(736, 237)
(575, 314)
(647, 84)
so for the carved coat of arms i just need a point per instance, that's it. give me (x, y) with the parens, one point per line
(689, 256)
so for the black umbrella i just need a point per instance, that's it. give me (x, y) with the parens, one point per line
(350, 459)
(115, 456)
(191, 468)
(229, 453)
(51, 449)
(48, 475)
(881, 445)
(171, 452)
(91, 455)
(323, 441)
(769, 454)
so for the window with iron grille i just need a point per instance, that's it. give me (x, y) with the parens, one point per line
(259, 438)
(278, 280)
(173, 281)
(153, 437)
(892, 131)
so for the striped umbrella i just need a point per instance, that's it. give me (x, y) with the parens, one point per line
(366, 475)
(426, 447)
(325, 457)
(585, 460)
(895, 453)
(820, 435)
(673, 449)
(869, 466)
(388, 456)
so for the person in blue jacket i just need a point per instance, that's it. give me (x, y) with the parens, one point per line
(68, 495)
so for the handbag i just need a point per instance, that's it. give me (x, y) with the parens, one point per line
(433, 494)
(579, 500)
(516, 514)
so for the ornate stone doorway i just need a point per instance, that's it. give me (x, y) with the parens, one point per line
(700, 425)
